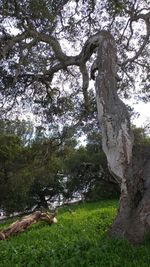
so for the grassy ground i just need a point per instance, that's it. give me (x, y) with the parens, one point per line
(78, 239)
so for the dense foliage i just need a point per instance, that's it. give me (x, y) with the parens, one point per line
(88, 172)
(49, 167)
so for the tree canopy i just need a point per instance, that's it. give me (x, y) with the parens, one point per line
(42, 38)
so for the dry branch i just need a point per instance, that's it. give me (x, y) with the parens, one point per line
(24, 223)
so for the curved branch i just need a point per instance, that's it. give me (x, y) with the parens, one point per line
(146, 18)
(52, 41)
(63, 61)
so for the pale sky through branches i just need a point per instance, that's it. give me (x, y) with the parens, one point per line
(142, 108)
(144, 113)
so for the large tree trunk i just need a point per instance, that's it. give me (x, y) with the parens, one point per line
(133, 218)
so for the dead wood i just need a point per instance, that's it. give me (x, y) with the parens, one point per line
(24, 223)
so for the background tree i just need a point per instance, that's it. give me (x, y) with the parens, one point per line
(46, 168)
(21, 128)
(39, 49)
(87, 172)
(31, 173)
(15, 178)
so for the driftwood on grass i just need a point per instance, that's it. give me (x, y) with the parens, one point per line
(24, 223)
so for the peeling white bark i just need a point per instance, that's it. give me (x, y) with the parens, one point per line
(117, 147)
(117, 138)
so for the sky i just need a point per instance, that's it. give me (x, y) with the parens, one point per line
(144, 111)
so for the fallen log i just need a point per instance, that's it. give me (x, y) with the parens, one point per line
(24, 223)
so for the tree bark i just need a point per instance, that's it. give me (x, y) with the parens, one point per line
(23, 224)
(133, 218)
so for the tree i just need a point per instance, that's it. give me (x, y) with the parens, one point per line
(87, 172)
(35, 54)
(47, 154)
(21, 128)
(45, 166)
(15, 178)
(31, 170)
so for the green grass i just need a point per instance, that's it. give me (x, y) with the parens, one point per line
(77, 240)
